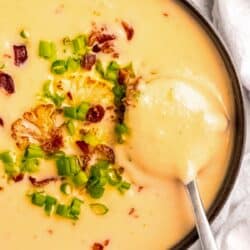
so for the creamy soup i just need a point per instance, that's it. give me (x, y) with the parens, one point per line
(82, 123)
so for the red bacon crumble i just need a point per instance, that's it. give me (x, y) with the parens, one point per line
(95, 114)
(96, 48)
(105, 152)
(43, 182)
(106, 242)
(132, 212)
(1, 122)
(85, 148)
(18, 178)
(21, 54)
(1, 188)
(165, 14)
(97, 246)
(140, 188)
(128, 29)
(70, 95)
(7, 83)
(53, 144)
(88, 61)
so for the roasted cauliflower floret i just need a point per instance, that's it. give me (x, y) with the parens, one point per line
(38, 126)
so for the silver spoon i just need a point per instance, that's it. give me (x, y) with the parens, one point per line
(202, 224)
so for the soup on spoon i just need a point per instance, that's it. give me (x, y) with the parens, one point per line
(177, 127)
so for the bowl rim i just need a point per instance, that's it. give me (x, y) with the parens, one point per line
(240, 122)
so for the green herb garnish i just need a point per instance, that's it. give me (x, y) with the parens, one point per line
(47, 50)
(99, 209)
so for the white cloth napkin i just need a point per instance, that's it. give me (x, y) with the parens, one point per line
(232, 19)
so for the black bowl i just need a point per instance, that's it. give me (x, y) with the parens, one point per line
(240, 126)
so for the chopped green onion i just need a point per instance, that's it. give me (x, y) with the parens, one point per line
(50, 203)
(71, 127)
(124, 186)
(99, 68)
(95, 191)
(6, 157)
(73, 64)
(121, 131)
(59, 67)
(98, 208)
(112, 71)
(82, 110)
(47, 50)
(77, 113)
(67, 166)
(79, 45)
(70, 112)
(75, 207)
(30, 165)
(119, 92)
(24, 34)
(80, 179)
(66, 188)
(113, 177)
(34, 151)
(91, 139)
(55, 98)
(62, 210)
(38, 199)
(10, 167)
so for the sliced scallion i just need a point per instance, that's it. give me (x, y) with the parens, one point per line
(66, 188)
(47, 50)
(80, 179)
(24, 34)
(79, 45)
(34, 151)
(59, 67)
(71, 127)
(99, 209)
(38, 199)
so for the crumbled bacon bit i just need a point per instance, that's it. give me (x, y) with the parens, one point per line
(1, 122)
(50, 231)
(106, 242)
(96, 48)
(85, 159)
(132, 212)
(53, 144)
(21, 54)
(43, 182)
(108, 47)
(1, 188)
(70, 95)
(121, 170)
(85, 148)
(95, 114)
(140, 188)
(7, 83)
(88, 61)
(97, 246)
(18, 178)
(165, 14)
(105, 153)
(128, 29)
(102, 38)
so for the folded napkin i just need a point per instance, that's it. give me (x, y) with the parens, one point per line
(232, 19)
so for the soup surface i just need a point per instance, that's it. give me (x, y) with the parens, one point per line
(75, 94)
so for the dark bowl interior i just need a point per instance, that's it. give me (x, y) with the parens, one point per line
(239, 137)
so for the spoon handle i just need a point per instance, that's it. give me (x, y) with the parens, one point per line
(202, 224)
